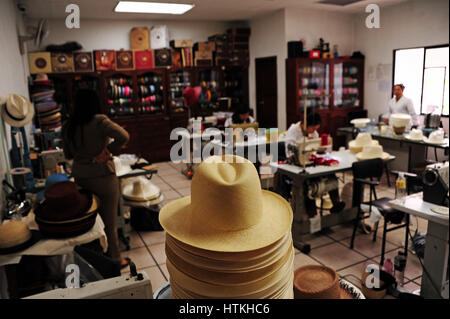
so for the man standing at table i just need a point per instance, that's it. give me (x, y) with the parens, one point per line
(401, 104)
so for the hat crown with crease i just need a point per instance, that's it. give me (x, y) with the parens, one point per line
(16, 105)
(226, 193)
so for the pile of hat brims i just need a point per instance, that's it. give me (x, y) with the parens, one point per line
(47, 110)
(263, 273)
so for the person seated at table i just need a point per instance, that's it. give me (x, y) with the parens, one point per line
(240, 116)
(401, 104)
(293, 136)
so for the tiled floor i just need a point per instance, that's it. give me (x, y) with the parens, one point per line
(330, 247)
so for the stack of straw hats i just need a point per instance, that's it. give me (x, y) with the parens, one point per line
(47, 110)
(362, 139)
(229, 239)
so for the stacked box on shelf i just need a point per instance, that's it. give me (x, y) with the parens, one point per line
(239, 40)
(184, 47)
(224, 50)
(203, 53)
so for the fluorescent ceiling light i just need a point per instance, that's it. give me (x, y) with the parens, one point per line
(152, 7)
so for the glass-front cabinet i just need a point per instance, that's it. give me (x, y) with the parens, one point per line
(347, 84)
(150, 93)
(119, 95)
(314, 85)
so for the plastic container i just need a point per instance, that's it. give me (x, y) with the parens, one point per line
(400, 186)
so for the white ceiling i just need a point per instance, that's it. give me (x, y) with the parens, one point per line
(218, 10)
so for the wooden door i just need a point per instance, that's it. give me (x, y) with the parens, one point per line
(266, 92)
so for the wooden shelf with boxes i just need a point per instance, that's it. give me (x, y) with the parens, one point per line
(340, 79)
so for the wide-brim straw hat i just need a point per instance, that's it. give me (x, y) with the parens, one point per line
(140, 190)
(16, 110)
(362, 139)
(15, 236)
(227, 210)
(366, 153)
(321, 282)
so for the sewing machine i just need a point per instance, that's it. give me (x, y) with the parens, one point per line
(435, 184)
(305, 148)
(51, 159)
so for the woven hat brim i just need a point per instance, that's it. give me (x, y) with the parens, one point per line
(423, 138)
(177, 219)
(435, 142)
(361, 156)
(35, 237)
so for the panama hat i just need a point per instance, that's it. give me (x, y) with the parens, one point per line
(227, 210)
(436, 137)
(15, 236)
(415, 135)
(16, 110)
(361, 140)
(372, 151)
(322, 282)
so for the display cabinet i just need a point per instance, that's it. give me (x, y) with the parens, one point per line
(334, 88)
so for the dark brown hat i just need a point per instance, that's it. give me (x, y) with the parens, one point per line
(63, 201)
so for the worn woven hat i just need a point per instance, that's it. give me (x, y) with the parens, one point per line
(15, 236)
(372, 151)
(321, 282)
(227, 210)
(16, 110)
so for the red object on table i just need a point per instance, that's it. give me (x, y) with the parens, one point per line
(314, 54)
(324, 141)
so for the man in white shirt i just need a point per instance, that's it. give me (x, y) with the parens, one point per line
(241, 116)
(295, 132)
(401, 104)
(294, 135)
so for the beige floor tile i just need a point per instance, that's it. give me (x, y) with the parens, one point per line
(162, 172)
(140, 256)
(163, 186)
(395, 237)
(316, 240)
(178, 166)
(174, 178)
(135, 240)
(336, 256)
(164, 270)
(302, 259)
(163, 165)
(364, 245)
(154, 237)
(159, 253)
(156, 277)
(411, 287)
(184, 191)
(180, 184)
(341, 231)
(170, 195)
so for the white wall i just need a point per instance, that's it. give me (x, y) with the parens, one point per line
(311, 25)
(412, 24)
(271, 32)
(115, 34)
(14, 68)
(268, 39)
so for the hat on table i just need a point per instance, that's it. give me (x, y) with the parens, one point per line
(362, 139)
(52, 179)
(230, 238)
(415, 135)
(436, 137)
(66, 211)
(141, 192)
(372, 151)
(322, 282)
(15, 236)
(16, 110)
